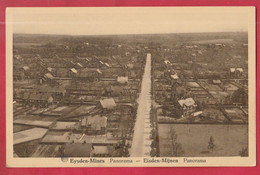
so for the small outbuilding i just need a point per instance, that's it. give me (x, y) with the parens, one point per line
(122, 80)
(108, 103)
(216, 82)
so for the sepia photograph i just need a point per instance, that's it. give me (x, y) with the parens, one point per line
(131, 86)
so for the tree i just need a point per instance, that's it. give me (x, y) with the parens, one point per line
(153, 152)
(176, 146)
(244, 152)
(199, 105)
(240, 96)
(211, 145)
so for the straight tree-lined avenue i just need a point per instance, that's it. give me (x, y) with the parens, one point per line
(139, 148)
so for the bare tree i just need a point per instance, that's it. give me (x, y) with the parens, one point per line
(244, 152)
(176, 146)
(211, 144)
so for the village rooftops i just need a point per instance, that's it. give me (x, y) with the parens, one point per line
(72, 62)
(73, 70)
(108, 103)
(50, 69)
(37, 96)
(130, 65)
(239, 69)
(107, 64)
(167, 62)
(122, 80)
(55, 89)
(186, 102)
(17, 57)
(79, 64)
(25, 68)
(99, 71)
(84, 122)
(49, 76)
(197, 113)
(175, 77)
(216, 82)
(236, 69)
(91, 70)
(88, 72)
(46, 97)
(232, 69)
(97, 122)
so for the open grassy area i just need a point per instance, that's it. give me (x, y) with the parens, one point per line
(229, 139)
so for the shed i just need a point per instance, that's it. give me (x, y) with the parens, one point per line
(236, 69)
(84, 122)
(197, 113)
(175, 77)
(108, 103)
(232, 70)
(239, 69)
(186, 102)
(98, 71)
(167, 62)
(130, 65)
(48, 76)
(79, 65)
(25, 68)
(216, 82)
(122, 80)
(107, 64)
(50, 69)
(73, 70)
(90, 73)
(97, 122)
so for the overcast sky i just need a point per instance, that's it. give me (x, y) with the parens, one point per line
(96, 21)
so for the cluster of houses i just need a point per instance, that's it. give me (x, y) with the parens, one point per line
(185, 83)
(80, 97)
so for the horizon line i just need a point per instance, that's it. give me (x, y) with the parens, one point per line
(128, 33)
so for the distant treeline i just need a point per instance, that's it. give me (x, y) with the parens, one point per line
(152, 39)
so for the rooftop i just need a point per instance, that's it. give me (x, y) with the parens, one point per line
(186, 102)
(108, 103)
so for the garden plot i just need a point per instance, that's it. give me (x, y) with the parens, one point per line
(65, 125)
(28, 135)
(40, 123)
(236, 115)
(193, 84)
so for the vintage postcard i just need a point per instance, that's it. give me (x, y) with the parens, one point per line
(131, 87)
